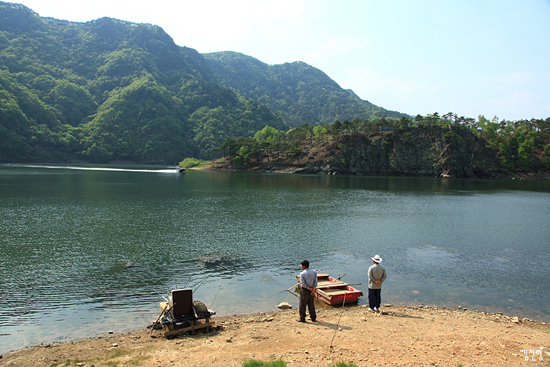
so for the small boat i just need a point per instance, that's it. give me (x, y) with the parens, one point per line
(180, 169)
(333, 291)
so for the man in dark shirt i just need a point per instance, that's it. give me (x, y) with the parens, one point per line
(308, 283)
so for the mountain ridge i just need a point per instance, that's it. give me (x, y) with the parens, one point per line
(340, 104)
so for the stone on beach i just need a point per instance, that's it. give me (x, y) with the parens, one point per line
(284, 306)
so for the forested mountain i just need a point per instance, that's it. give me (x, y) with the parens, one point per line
(296, 91)
(110, 90)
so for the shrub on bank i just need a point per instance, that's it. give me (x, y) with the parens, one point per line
(192, 162)
(253, 363)
(280, 363)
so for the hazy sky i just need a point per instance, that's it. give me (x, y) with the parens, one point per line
(471, 57)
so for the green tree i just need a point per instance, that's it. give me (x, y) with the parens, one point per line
(546, 159)
(319, 131)
(336, 130)
(229, 146)
(526, 148)
(295, 151)
(242, 158)
(268, 133)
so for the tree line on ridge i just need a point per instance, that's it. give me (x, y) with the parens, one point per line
(519, 146)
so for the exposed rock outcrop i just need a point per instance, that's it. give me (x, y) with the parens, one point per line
(422, 151)
(419, 151)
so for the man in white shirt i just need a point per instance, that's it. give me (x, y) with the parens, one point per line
(377, 275)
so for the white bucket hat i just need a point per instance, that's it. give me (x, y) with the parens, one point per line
(377, 259)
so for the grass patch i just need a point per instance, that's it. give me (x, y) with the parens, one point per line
(192, 162)
(136, 361)
(117, 353)
(253, 363)
(344, 364)
(66, 363)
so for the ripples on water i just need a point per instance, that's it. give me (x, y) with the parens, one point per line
(78, 245)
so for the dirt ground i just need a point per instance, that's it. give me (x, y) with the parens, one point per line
(398, 336)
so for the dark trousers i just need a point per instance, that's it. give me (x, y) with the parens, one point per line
(306, 299)
(374, 298)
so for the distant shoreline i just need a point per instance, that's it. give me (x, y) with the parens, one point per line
(224, 165)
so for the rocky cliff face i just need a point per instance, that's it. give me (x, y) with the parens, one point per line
(429, 151)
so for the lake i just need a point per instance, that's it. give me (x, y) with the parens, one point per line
(87, 250)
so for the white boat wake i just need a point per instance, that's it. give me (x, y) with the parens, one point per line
(165, 170)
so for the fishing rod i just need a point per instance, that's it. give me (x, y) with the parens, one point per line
(188, 280)
(200, 283)
(166, 299)
(216, 295)
(336, 328)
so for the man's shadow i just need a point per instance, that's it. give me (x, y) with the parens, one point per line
(397, 314)
(329, 325)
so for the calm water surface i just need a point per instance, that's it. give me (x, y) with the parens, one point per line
(88, 250)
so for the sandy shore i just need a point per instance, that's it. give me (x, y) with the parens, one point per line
(399, 336)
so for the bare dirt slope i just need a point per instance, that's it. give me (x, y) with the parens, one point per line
(400, 336)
